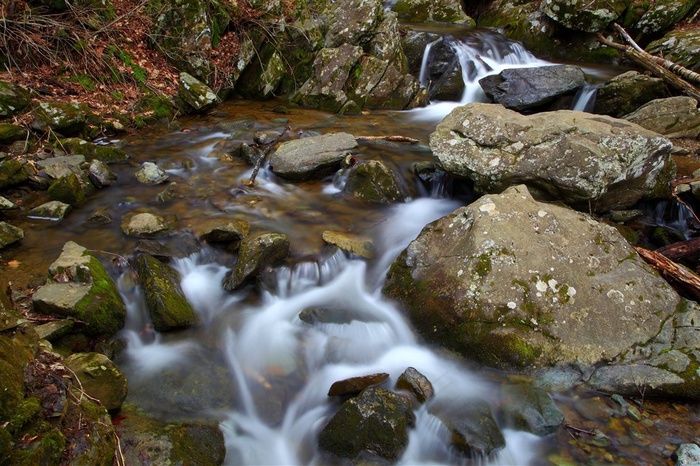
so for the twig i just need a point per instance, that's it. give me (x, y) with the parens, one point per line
(396, 138)
(579, 430)
(118, 19)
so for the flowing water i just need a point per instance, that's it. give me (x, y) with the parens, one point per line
(253, 364)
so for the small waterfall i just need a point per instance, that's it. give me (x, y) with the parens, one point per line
(584, 100)
(423, 77)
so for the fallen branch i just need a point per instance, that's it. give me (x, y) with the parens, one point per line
(266, 152)
(676, 274)
(389, 138)
(670, 78)
(681, 71)
(674, 193)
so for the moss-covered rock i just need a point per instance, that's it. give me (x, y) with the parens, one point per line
(65, 118)
(13, 99)
(167, 305)
(17, 348)
(100, 378)
(373, 181)
(256, 252)
(84, 291)
(67, 189)
(106, 154)
(9, 234)
(10, 133)
(198, 95)
(12, 173)
(680, 46)
(627, 92)
(427, 11)
(263, 76)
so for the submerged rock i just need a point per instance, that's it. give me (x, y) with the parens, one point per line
(516, 283)
(374, 424)
(474, 431)
(167, 304)
(590, 161)
(529, 409)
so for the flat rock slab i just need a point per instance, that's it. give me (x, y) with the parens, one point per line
(313, 157)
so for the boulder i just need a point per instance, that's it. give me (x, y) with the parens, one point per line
(661, 16)
(529, 88)
(586, 160)
(198, 95)
(673, 117)
(150, 441)
(12, 173)
(427, 11)
(627, 92)
(353, 22)
(681, 46)
(313, 157)
(100, 174)
(91, 151)
(147, 225)
(263, 76)
(373, 181)
(62, 117)
(14, 99)
(584, 15)
(687, 454)
(516, 283)
(10, 133)
(374, 424)
(221, 230)
(67, 189)
(167, 304)
(9, 234)
(151, 174)
(100, 378)
(416, 383)
(80, 287)
(63, 165)
(52, 210)
(255, 253)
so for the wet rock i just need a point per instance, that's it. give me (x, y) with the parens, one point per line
(67, 189)
(147, 225)
(529, 409)
(91, 151)
(674, 117)
(63, 165)
(52, 210)
(167, 304)
(687, 454)
(353, 244)
(529, 88)
(14, 99)
(221, 230)
(101, 216)
(416, 383)
(197, 94)
(65, 118)
(9, 234)
(584, 16)
(81, 288)
(425, 11)
(474, 431)
(375, 423)
(6, 204)
(11, 173)
(373, 181)
(155, 249)
(255, 253)
(515, 283)
(52, 331)
(354, 385)
(264, 74)
(100, 174)
(592, 161)
(168, 194)
(10, 133)
(627, 92)
(150, 441)
(151, 174)
(100, 378)
(312, 157)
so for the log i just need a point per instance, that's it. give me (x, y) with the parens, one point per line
(396, 138)
(685, 73)
(669, 78)
(680, 277)
(686, 251)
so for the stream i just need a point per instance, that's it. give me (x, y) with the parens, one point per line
(258, 369)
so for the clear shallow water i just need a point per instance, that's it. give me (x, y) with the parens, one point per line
(253, 365)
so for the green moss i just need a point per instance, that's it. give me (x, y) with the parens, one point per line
(482, 265)
(46, 450)
(67, 189)
(102, 309)
(25, 411)
(85, 81)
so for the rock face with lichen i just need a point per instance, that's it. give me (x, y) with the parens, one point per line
(585, 160)
(516, 283)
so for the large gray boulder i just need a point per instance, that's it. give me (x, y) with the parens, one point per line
(516, 283)
(581, 159)
(529, 88)
(584, 15)
(674, 117)
(313, 157)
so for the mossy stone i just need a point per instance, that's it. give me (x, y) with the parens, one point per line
(46, 450)
(100, 378)
(10, 133)
(13, 99)
(67, 189)
(12, 173)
